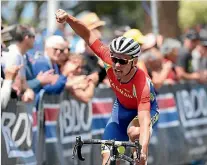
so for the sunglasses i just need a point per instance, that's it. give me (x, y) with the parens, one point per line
(31, 36)
(120, 61)
(62, 50)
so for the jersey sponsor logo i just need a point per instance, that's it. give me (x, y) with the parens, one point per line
(122, 91)
(127, 90)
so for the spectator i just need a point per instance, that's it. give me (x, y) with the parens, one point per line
(81, 86)
(169, 50)
(136, 35)
(149, 42)
(64, 57)
(93, 64)
(199, 61)
(184, 68)
(36, 82)
(55, 47)
(24, 40)
(156, 68)
(7, 79)
(121, 31)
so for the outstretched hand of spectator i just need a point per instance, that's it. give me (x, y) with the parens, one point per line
(77, 82)
(81, 85)
(203, 77)
(94, 77)
(168, 65)
(69, 68)
(11, 72)
(46, 77)
(61, 16)
(17, 85)
(28, 96)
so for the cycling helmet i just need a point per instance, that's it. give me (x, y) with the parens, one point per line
(126, 46)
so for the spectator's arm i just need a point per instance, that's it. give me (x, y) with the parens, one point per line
(158, 79)
(182, 74)
(84, 95)
(40, 66)
(34, 84)
(58, 87)
(180, 68)
(5, 93)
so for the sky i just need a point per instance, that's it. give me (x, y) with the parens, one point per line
(28, 11)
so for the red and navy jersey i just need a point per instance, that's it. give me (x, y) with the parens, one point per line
(132, 95)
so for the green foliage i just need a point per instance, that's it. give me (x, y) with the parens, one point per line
(192, 13)
(120, 12)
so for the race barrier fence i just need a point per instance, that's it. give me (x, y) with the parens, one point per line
(179, 138)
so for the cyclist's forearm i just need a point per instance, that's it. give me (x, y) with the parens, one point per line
(81, 29)
(144, 133)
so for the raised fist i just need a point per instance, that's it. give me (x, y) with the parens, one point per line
(61, 16)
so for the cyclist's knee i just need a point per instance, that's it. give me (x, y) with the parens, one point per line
(105, 149)
(133, 133)
(105, 157)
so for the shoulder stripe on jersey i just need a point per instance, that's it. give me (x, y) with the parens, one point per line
(134, 91)
(106, 66)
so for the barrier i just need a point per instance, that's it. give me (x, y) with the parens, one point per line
(181, 134)
(16, 134)
(179, 138)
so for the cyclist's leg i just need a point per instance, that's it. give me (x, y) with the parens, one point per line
(117, 127)
(112, 131)
(133, 129)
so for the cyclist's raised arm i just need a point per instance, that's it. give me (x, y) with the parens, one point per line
(100, 49)
(79, 27)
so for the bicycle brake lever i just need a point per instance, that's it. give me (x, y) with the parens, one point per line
(79, 146)
(80, 157)
(138, 150)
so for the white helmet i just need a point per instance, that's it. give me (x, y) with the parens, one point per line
(126, 46)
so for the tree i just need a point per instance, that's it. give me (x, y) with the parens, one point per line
(17, 11)
(192, 13)
(119, 12)
(167, 19)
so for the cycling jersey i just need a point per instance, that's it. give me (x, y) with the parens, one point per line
(136, 95)
(132, 95)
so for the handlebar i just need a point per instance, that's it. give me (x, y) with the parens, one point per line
(113, 143)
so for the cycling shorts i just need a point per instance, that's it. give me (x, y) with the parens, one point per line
(120, 119)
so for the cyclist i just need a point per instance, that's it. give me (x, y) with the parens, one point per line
(134, 90)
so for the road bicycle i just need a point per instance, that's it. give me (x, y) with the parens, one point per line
(117, 149)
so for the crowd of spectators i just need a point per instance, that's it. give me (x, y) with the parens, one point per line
(31, 61)
(60, 61)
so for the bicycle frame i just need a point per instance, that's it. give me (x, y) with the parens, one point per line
(114, 153)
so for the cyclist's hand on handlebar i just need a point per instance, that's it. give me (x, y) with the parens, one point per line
(61, 15)
(143, 159)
